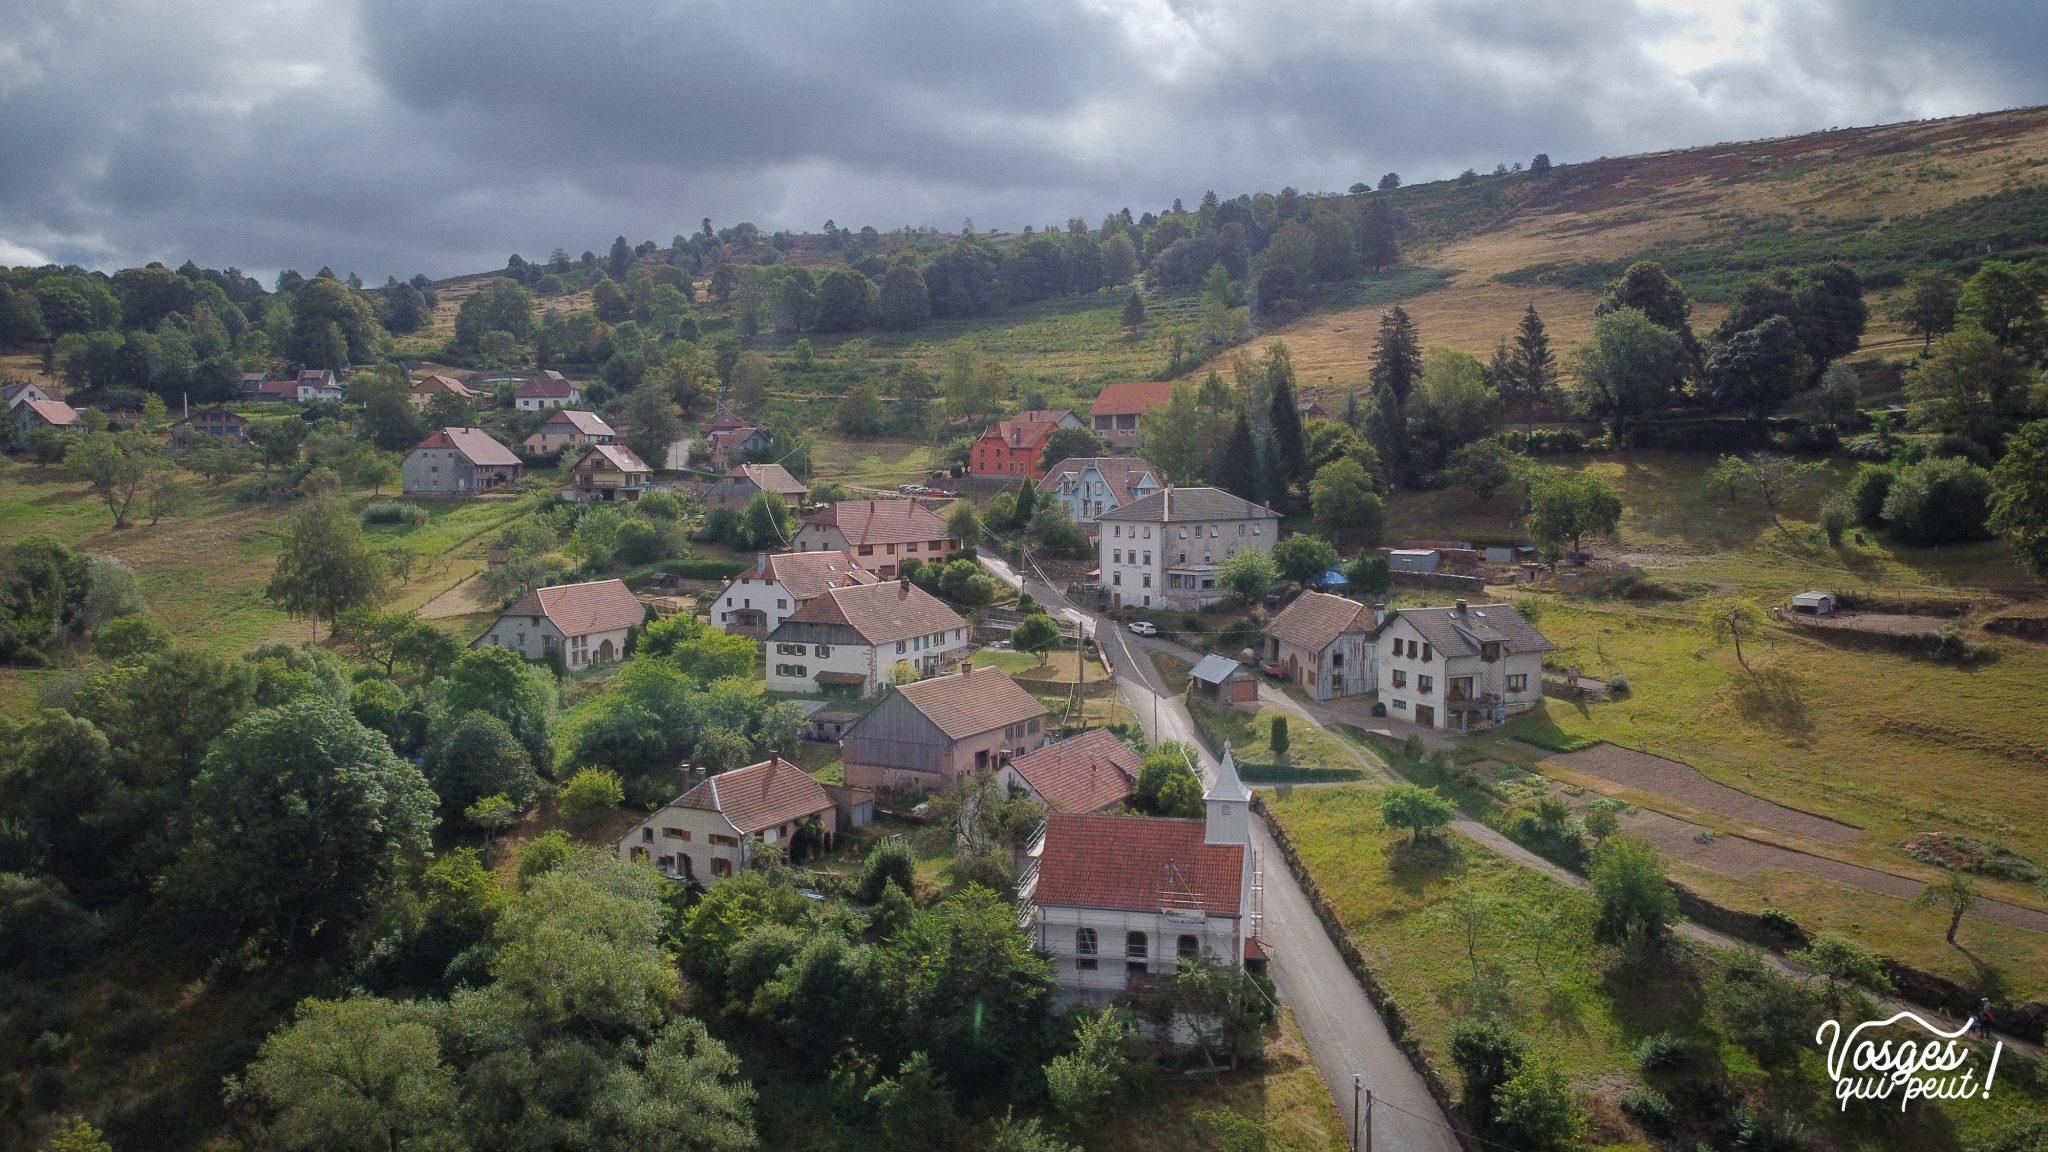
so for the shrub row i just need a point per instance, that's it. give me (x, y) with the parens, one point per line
(1253, 772)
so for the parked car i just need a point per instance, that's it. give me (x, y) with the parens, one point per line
(1273, 668)
(1144, 628)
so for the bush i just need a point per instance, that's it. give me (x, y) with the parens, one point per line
(1618, 685)
(1939, 501)
(1780, 921)
(591, 793)
(891, 862)
(1867, 492)
(1649, 1107)
(393, 512)
(1487, 1054)
(1663, 1052)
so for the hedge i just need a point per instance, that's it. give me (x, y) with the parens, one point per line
(1253, 772)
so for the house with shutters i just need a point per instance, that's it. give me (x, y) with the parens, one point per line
(1327, 644)
(550, 389)
(852, 638)
(608, 472)
(1118, 414)
(712, 831)
(1016, 447)
(315, 384)
(1163, 551)
(587, 623)
(758, 600)
(879, 533)
(31, 414)
(1090, 772)
(1119, 901)
(459, 462)
(1088, 486)
(1466, 667)
(569, 428)
(422, 392)
(745, 481)
(929, 735)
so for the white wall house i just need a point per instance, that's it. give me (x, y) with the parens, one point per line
(1465, 667)
(1162, 551)
(586, 623)
(1117, 901)
(758, 600)
(708, 832)
(853, 637)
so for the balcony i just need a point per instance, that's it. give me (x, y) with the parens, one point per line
(1470, 701)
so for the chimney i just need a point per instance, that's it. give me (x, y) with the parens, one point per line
(1459, 609)
(1379, 614)
(761, 562)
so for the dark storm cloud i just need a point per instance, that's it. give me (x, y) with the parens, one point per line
(388, 136)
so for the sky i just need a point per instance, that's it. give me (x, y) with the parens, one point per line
(399, 136)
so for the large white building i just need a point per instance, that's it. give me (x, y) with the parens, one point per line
(1162, 551)
(1119, 901)
(761, 598)
(853, 638)
(1464, 667)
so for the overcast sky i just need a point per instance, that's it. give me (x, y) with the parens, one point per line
(398, 136)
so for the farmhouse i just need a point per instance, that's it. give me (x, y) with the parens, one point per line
(729, 446)
(1162, 551)
(711, 831)
(879, 533)
(927, 736)
(550, 389)
(315, 384)
(16, 391)
(853, 637)
(215, 423)
(1465, 667)
(608, 472)
(745, 481)
(761, 598)
(1327, 645)
(459, 462)
(1120, 409)
(586, 623)
(1119, 901)
(31, 414)
(423, 392)
(1016, 447)
(1088, 486)
(566, 428)
(1090, 772)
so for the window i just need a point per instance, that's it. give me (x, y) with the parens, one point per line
(647, 834)
(781, 604)
(867, 549)
(899, 647)
(720, 866)
(1148, 579)
(1116, 556)
(1425, 684)
(1240, 529)
(676, 833)
(797, 670)
(1428, 653)
(725, 841)
(1400, 705)
(1084, 949)
(1148, 557)
(1117, 531)
(1136, 952)
(1400, 678)
(1183, 531)
(821, 650)
(789, 649)
(1031, 727)
(1188, 947)
(1148, 531)
(1255, 529)
(1214, 531)
(1519, 682)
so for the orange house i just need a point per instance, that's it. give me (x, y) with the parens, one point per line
(1016, 447)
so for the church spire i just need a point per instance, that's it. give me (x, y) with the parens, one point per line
(1229, 805)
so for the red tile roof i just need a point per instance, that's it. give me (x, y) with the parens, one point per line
(617, 455)
(1119, 472)
(583, 609)
(972, 701)
(588, 423)
(1317, 618)
(549, 385)
(437, 384)
(881, 613)
(806, 575)
(1020, 435)
(770, 478)
(1084, 773)
(474, 443)
(759, 796)
(880, 521)
(55, 413)
(1132, 399)
(1137, 864)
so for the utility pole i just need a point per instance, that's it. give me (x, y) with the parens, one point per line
(1357, 1084)
(1368, 1120)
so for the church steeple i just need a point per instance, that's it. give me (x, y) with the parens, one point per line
(1229, 804)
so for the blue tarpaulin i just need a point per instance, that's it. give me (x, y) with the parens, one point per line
(1330, 579)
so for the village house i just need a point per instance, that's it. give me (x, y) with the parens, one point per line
(879, 533)
(1327, 645)
(550, 389)
(710, 831)
(215, 423)
(16, 391)
(459, 462)
(282, 389)
(423, 392)
(1162, 551)
(853, 637)
(607, 472)
(1016, 447)
(928, 736)
(1120, 410)
(1088, 486)
(744, 481)
(568, 428)
(315, 384)
(586, 623)
(730, 445)
(1089, 772)
(1465, 667)
(761, 598)
(1119, 901)
(31, 414)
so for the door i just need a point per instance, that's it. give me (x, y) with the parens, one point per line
(604, 652)
(1425, 715)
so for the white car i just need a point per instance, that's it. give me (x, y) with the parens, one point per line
(1144, 628)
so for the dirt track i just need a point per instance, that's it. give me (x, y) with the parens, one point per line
(1682, 782)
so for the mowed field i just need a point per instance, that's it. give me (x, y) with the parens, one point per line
(204, 571)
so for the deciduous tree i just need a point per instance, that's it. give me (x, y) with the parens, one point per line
(327, 564)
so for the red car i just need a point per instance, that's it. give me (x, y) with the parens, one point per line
(1273, 668)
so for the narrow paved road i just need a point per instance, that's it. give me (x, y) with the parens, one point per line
(1343, 1030)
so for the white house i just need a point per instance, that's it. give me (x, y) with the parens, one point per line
(550, 389)
(566, 427)
(706, 833)
(1088, 486)
(1162, 551)
(1118, 901)
(1465, 667)
(316, 384)
(879, 533)
(16, 391)
(586, 623)
(761, 598)
(853, 637)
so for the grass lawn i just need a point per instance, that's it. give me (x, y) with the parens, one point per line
(1538, 965)
(1283, 1093)
(1173, 670)
(1058, 666)
(1251, 736)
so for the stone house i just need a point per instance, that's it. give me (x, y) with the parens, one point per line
(587, 623)
(927, 736)
(459, 462)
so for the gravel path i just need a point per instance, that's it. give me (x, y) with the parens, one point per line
(1682, 782)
